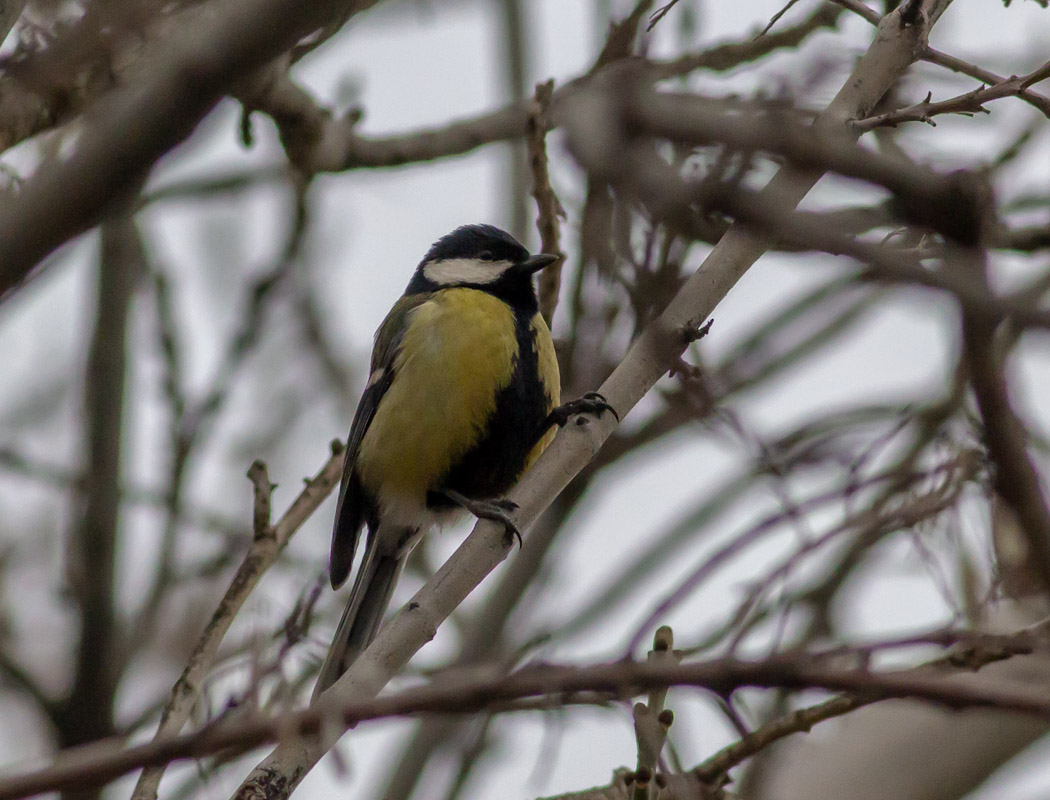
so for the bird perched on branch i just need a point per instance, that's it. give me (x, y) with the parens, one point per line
(462, 398)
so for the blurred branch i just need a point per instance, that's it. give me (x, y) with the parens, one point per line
(978, 651)
(871, 523)
(862, 10)
(1022, 239)
(537, 686)
(315, 141)
(958, 205)
(10, 11)
(818, 596)
(26, 109)
(86, 714)
(730, 55)
(312, 320)
(318, 142)
(478, 741)
(949, 203)
(65, 478)
(191, 423)
(162, 106)
(267, 544)
(177, 91)
(619, 42)
(875, 524)
(1016, 480)
(514, 55)
(216, 185)
(18, 677)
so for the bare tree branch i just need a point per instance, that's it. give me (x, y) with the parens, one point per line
(1016, 479)
(537, 686)
(969, 103)
(550, 210)
(86, 714)
(318, 142)
(131, 128)
(266, 546)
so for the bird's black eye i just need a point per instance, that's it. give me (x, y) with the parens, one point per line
(485, 255)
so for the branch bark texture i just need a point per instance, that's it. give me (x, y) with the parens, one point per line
(537, 686)
(131, 128)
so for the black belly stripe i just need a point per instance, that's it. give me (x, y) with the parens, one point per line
(491, 467)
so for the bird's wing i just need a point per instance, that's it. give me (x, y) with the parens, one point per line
(351, 513)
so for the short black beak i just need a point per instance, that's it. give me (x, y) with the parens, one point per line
(534, 264)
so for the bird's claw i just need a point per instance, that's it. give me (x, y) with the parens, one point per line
(591, 403)
(498, 511)
(494, 510)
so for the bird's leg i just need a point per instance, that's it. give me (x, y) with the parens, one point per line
(495, 510)
(590, 403)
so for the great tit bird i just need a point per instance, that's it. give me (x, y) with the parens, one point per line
(463, 396)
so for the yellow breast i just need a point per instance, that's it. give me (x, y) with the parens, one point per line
(457, 352)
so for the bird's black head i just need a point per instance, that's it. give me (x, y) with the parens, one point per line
(481, 257)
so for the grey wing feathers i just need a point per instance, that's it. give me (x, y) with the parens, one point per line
(355, 506)
(352, 510)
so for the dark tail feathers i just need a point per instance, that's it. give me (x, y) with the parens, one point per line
(369, 599)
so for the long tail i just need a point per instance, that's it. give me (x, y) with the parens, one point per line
(369, 599)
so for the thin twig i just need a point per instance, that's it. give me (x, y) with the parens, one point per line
(1034, 99)
(260, 557)
(547, 204)
(986, 649)
(951, 62)
(262, 491)
(968, 103)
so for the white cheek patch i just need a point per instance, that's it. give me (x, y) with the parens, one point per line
(465, 270)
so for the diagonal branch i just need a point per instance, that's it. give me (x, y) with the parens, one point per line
(1039, 101)
(268, 543)
(131, 128)
(10, 11)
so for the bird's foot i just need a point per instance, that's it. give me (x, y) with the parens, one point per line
(590, 403)
(496, 510)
